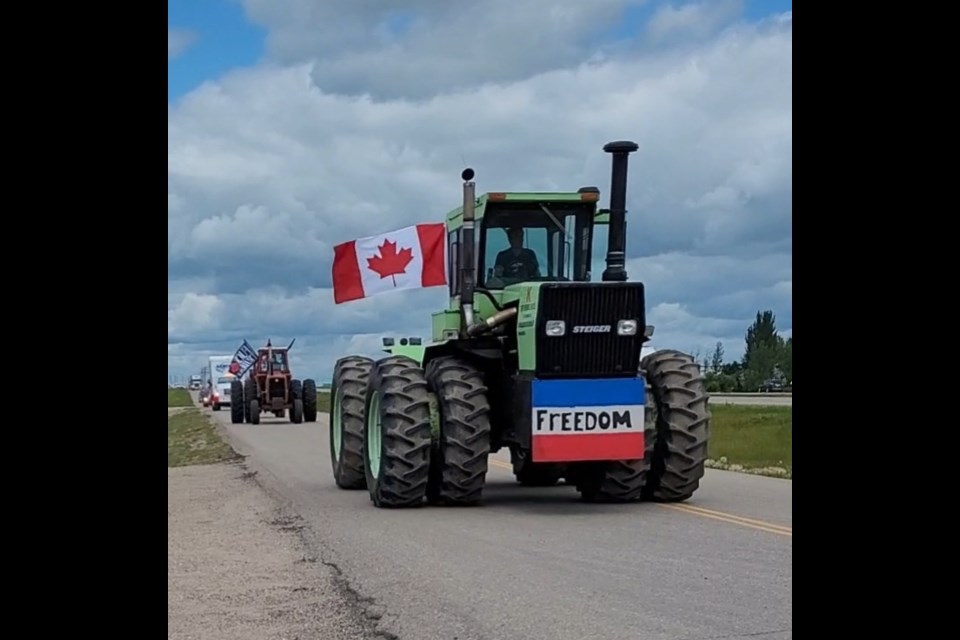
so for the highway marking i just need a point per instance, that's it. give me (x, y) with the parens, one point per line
(729, 518)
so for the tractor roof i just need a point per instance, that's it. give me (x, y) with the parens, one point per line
(587, 194)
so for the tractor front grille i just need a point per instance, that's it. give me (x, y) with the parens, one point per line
(589, 354)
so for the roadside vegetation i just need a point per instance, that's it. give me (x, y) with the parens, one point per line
(767, 362)
(192, 439)
(752, 439)
(323, 401)
(179, 398)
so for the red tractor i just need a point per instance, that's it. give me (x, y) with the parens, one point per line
(270, 386)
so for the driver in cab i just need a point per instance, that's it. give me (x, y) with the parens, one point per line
(517, 262)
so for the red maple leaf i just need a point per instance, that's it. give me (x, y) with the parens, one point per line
(234, 367)
(389, 262)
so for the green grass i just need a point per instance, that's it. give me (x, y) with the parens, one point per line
(753, 439)
(323, 401)
(178, 398)
(191, 439)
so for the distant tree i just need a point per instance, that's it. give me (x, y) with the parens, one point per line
(716, 360)
(764, 349)
(786, 359)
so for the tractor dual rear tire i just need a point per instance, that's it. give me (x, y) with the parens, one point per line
(529, 474)
(619, 481)
(459, 465)
(682, 420)
(309, 400)
(396, 438)
(236, 402)
(348, 393)
(296, 411)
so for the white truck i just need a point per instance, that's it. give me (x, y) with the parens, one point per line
(220, 378)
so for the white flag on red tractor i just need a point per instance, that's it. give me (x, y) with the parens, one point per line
(243, 359)
(408, 258)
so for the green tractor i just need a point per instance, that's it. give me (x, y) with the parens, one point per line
(533, 356)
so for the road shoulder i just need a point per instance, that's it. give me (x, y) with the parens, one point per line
(238, 568)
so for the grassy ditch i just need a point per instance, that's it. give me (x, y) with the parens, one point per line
(192, 439)
(752, 439)
(179, 398)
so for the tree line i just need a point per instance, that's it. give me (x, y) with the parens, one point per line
(768, 358)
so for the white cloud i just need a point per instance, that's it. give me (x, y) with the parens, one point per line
(178, 41)
(268, 170)
(697, 19)
(445, 46)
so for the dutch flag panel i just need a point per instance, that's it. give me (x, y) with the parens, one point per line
(581, 420)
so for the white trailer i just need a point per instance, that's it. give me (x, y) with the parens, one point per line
(220, 379)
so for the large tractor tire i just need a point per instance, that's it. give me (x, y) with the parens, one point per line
(236, 402)
(249, 394)
(529, 474)
(396, 439)
(254, 412)
(618, 481)
(348, 393)
(459, 469)
(296, 390)
(309, 400)
(682, 422)
(296, 411)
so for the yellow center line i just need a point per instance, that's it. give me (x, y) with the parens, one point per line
(721, 514)
(729, 518)
(768, 527)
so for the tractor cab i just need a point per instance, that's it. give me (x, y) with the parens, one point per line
(272, 361)
(530, 237)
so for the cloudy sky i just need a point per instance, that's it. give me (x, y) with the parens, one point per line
(294, 125)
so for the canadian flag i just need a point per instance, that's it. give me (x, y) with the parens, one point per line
(408, 258)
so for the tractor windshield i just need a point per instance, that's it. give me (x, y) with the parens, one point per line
(278, 363)
(535, 242)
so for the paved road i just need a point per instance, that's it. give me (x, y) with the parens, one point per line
(761, 399)
(537, 564)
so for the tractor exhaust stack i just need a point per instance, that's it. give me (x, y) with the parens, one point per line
(617, 238)
(466, 266)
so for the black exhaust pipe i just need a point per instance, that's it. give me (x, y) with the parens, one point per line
(466, 266)
(617, 238)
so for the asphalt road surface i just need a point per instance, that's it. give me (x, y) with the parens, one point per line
(536, 563)
(758, 399)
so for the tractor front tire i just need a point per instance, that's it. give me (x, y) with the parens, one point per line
(309, 400)
(348, 393)
(682, 422)
(254, 412)
(396, 439)
(460, 459)
(249, 394)
(236, 402)
(296, 411)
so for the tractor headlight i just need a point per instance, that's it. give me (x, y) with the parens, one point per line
(627, 328)
(556, 327)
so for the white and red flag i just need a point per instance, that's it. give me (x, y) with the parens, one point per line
(408, 258)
